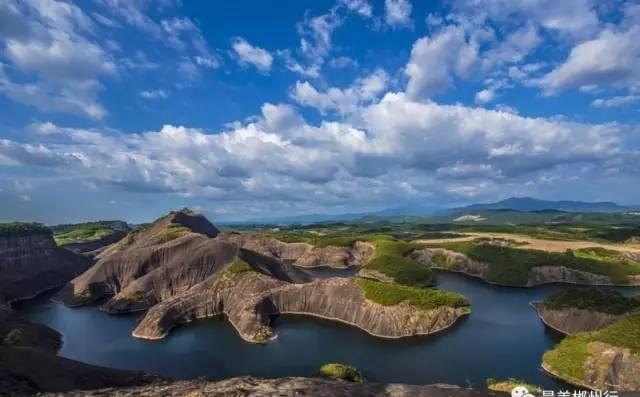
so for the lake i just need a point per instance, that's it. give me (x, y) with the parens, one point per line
(502, 338)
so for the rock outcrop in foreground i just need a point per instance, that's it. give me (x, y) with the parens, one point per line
(281, 387)
(31, 262)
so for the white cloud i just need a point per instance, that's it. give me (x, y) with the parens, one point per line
(344, 101)
(54, 65)
(153, 94)
(484, 96)
(362, 7)
(614, 102)
(437, 58)
(251, 55)
(610, 60)
(400, 146)
(397, 12)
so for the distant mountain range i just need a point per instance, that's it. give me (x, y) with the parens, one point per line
(532, 204)
(524, 204)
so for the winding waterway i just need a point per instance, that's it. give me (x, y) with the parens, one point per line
(502, 338)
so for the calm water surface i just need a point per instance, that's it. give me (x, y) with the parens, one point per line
(502, 338)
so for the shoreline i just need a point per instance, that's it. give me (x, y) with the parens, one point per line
(168, 331)
(535, 305)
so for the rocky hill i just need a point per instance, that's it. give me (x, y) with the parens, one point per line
(181, 268)
(281, 387)
(603, 351)
(31, 262)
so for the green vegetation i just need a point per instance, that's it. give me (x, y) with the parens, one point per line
(389, 294)
(320, 241)
(86, 232)
(174, 231)
(603, 300)
(507, 385)
(15, 229)
(568, 357)
(341, 372)
(511, 266)
(237, 267)
(14, 338)
(390, 258)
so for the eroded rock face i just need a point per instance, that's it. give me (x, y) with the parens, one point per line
(303, 254)
(440, 258)
(250, 300)
(612, 367)
(152, 264)
(30, 264)
(572, 320)
(281, 387)
(561, 274)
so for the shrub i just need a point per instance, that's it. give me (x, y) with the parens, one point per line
(341, 372)
(605, 300)
(14, 338)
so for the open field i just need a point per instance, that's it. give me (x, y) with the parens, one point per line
(527, 242)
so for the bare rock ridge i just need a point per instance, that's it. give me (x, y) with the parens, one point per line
(303, 254)
(31, 262)
(444, 259)
(281, 387)
(151, 264)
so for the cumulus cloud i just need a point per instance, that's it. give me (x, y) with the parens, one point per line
(436, 59)
(248, 54)
(344, 101)
(399, 146)
(610, 60)
(53, 64)
(397, 12)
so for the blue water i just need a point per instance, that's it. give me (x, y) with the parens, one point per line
(502, 338)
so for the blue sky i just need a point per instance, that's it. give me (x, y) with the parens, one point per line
(254, 109)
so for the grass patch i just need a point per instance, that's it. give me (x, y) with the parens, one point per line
(341, 372)
(15, 337)
(511, 266)
(389, 294)
(174, 231)
(17, 229)
(86, 232)
(569, 356)
(390, 259)
(605, 300)
(507, 385)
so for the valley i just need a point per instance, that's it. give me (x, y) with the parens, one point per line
(363, 293)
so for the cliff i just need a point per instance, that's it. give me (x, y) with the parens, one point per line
(445, 259)
(30, 262)
(152, 264)
(249, 300)
(281, 387)
(303, 254)
(572, 320)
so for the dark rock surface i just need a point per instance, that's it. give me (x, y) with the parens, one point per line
(30, 264)
(281, 387)
(572, 320)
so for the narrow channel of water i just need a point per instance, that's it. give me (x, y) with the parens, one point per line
(502, 338)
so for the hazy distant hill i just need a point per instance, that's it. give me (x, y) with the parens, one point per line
(532, 204)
